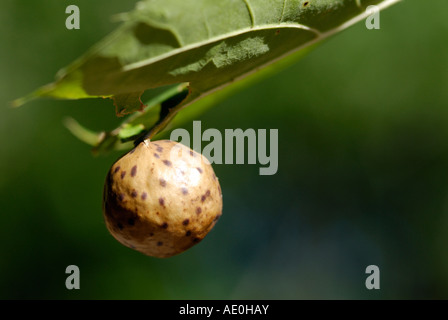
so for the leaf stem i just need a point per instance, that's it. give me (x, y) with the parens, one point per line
(159, 99)
(83, 134)
(169, 109)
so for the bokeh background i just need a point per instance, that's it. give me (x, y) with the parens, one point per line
(362, 179)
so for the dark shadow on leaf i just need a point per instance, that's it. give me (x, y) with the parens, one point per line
(147, 34)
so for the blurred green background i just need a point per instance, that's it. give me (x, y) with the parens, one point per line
(363, 171)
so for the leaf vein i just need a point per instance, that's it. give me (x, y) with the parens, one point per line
(283, 10)
(251, 12)
(207, 26)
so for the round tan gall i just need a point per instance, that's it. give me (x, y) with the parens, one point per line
(161, 198)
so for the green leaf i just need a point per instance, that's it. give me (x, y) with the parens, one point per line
(127, 103)
(129, 130)
(205, 44)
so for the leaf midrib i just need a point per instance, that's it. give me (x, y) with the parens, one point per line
(319, 36)
(219, 38)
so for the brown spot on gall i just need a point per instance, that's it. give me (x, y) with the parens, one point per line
(200, 170)
(156, 155)
(198, 210)
(167, 163)
(164, 225)
(184, 191)
(123, 174)
(144, 195)
(117, 169)
(186, 222)
(162, 183)
(196, 240)
(204, 196)
(121, 196)
(159, 149)
(134, 194)
(133, 171)
(131, 221)
(160, 243)
(162, 202)
(120, 226)
(188, 233)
